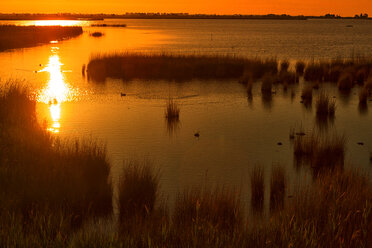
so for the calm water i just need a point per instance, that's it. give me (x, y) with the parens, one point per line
(235, 132)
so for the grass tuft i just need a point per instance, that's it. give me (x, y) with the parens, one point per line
(300, 67)
(257, 188)
(325, 107)
(277, 188)
(323, 153)
(345, 82)
(307, 94)
(172, 111)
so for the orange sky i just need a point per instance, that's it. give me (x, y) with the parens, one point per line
(293, 7)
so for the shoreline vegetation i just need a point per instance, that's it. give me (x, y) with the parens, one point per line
(345, 73)
(72, 16)
(57, 193)
(13, 37)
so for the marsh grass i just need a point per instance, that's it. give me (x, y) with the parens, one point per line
(267, 82)
(54, 191)
(257, 188)
(172, 111)
(314, 72)
(323, 153)
(138, 190)
(287, 78)
(278, 184)
(43, 174)
(345, 83)
(129, 66)
(300, 67)
(284, 65)
(204, 207)
(362, 75)
(332, 212)
(363, 96)
(27, 36)
(247, 80)
(325, 107)
(96, 34)
(307, 94)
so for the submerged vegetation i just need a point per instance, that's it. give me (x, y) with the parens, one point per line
(27, 36)
(57, 193)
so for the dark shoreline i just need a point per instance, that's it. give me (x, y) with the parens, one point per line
(13, 37)
(100, 17)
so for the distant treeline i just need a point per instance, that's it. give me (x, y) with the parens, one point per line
(70, 16)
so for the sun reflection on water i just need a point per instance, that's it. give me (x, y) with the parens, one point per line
(57, 23)
(56, 91)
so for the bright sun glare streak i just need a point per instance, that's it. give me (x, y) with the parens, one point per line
(57, 23)
(55, 92)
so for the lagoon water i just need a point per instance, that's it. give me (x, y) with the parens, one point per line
(236, 132)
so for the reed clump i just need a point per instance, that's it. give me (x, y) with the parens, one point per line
(27, 36)
(141, 213)
(345, 82)
(314, 72)
(325, 107)
(257, 188)
(287, 78)
(267, 83)
(172, 111)
(332, 212)
(217, 208)
(284, 65)
(277, 188)
(363, 96)
(300, 67)
(323, 153)
(129, 66)
(138, 190)
(307, 94)
(96, 34)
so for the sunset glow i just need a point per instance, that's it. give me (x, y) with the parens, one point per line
(305, 7)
